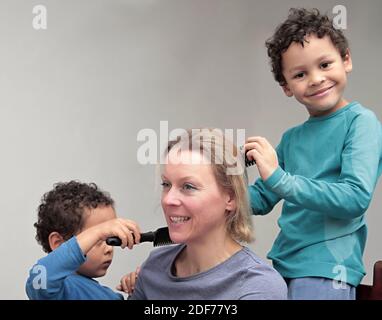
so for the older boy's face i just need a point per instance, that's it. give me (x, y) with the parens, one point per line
(316, 75)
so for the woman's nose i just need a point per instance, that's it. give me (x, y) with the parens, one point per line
(171, 197)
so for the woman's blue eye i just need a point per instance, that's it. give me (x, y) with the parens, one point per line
(188, 186)
(165, 184)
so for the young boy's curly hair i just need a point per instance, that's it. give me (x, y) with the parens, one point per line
(300, 24)
(61, 209)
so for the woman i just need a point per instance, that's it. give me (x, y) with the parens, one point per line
(205, 204)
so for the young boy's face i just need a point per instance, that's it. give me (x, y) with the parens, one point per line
(100, 256)
(316, 75)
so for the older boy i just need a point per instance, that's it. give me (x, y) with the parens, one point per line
(325, 169)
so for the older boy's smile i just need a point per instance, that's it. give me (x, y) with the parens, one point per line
(316, 75)
(321, 92)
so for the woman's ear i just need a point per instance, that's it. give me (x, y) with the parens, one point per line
(230, 202)
(55, 240)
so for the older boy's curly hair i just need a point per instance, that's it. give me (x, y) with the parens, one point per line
(62, 209)
(299, 24)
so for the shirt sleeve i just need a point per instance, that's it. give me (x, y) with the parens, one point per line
(46, 278)
(349, 196)
(262, 199)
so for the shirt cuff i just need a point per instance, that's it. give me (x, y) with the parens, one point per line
(274, 178)
(76, 251)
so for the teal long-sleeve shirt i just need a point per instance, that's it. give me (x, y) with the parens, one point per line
(328, 170)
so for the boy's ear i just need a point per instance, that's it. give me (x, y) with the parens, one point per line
(287, 91)
(348, 64)
(55, 240)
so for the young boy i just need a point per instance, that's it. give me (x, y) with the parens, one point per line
(74, 220)
(325, 169)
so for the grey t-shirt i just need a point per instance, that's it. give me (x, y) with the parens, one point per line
(243, 276)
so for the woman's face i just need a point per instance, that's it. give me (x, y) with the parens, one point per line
(195, 207)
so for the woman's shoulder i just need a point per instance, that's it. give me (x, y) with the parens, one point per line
(252, 260)
(258, 272)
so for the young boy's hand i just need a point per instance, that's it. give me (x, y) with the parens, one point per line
(260, 150)
(121, 228)
(127, 283)
(124, 229)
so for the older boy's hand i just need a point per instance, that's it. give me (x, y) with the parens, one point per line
(260, 150)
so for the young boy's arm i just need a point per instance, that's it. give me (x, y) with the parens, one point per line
(46, 278)
(346, 198)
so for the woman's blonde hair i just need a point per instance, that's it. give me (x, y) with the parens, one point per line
(229, 171)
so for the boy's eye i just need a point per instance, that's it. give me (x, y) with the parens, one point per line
(325, 65)
(299, 75)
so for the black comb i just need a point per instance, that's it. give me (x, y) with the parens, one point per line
(159, 237)
(248, 162)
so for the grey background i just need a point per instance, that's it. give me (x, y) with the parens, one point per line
(73, 98)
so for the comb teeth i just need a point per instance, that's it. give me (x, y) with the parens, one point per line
(162, 237)
(162, 243)
(248, 162)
